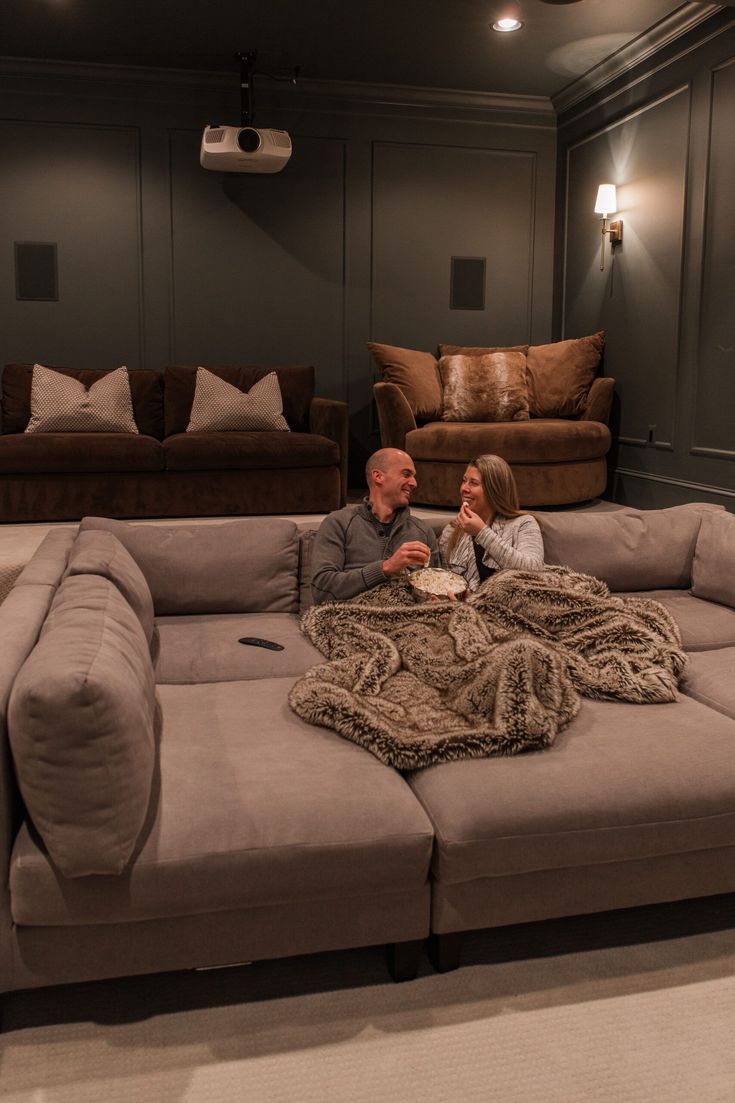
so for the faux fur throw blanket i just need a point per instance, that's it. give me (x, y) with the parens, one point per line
(498, 674)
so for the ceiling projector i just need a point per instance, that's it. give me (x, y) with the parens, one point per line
(244, 149)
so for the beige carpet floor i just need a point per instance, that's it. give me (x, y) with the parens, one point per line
(632, 1006)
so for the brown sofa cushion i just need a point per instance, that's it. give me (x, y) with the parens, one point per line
(247, 566)
(146, 389)
(485, 388)
(560, 375)
(479, 350)
(218, 407)
(81, 728)
(522, 442)
(24, 453)
(629, 549)
(295, 380)
(101, 553)
(713, 569)
(416, 373)
(248, 451)
(60, 404)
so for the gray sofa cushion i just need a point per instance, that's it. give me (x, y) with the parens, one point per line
(629, 549)
(101, 553)
(46, 565)
(247, 566)
(256, 808)
(710, 678)
(81, 728)
(206, 648)
(713, 569)
(623, 782)
(704, 625)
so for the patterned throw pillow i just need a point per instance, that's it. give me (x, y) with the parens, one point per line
(485, 388)
(218, 407)
(62, 404)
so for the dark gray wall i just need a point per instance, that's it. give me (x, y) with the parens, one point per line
(665, 138)
(161, 261)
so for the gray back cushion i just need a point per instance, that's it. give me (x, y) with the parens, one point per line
(629, 549)
(101, 553)
(248, 566)
(81, 728)
(713, 569)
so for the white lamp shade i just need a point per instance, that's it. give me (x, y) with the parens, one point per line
(606, 200)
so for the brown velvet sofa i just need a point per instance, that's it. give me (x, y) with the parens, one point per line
(266, 837)
(556, 460)
(163, 471)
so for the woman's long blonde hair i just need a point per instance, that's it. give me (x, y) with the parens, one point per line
(499, 488)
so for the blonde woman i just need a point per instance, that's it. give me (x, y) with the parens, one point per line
(490, 531)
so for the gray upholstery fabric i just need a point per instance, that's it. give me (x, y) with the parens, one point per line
(59, 955)
(46, 565)
(704, 625)
(710, 678)
(306, 546)
(579, 890)
(256, 808)
(247, 566)
(623, 782)
(206, 648)
(629, 549)
(81, 728)
(713, 569)
(101, 553)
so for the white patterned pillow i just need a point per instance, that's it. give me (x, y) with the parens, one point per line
(218, 407)
(62, 404)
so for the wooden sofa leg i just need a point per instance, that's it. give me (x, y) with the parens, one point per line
(403, 959)
(445, 951)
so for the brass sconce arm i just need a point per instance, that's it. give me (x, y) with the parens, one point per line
(615, 230)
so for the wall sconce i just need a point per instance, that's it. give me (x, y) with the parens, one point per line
(606, 205)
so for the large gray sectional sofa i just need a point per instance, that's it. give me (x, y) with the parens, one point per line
(163, 809)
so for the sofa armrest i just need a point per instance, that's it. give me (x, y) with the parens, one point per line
(599, 400)
(330, 418)
(395, 416)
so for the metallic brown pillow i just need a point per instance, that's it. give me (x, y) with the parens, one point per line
(485, 388)
(560, 375)
(416, 373)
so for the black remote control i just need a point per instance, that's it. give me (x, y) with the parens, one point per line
(256, 641)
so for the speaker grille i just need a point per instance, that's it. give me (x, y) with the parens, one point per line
(467, 283)
(213, 136)
(35, 271)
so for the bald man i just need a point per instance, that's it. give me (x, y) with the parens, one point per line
(360, 546)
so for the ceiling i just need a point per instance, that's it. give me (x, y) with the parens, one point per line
(424, 43)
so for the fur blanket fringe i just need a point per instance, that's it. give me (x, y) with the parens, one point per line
(500, 673)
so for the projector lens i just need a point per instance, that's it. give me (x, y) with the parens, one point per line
(248, 140)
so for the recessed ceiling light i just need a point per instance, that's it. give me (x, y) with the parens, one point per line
(506, 25)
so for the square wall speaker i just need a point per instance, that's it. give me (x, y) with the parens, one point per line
(35, 271)
(467, 283)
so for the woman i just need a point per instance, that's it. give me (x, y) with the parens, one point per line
(490, 531)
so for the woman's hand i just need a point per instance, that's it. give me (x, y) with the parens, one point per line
(468, 521)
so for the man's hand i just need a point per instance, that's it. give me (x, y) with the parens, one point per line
(468, 521)
(411, 554)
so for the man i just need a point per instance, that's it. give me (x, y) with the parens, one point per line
(359, 547)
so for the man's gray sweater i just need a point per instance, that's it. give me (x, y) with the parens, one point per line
(351, 546)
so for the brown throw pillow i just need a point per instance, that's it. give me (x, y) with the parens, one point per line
(485, 388)
(218, 407)
(476, 350)
(416, 373)
(560, 375)
(62, 404)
